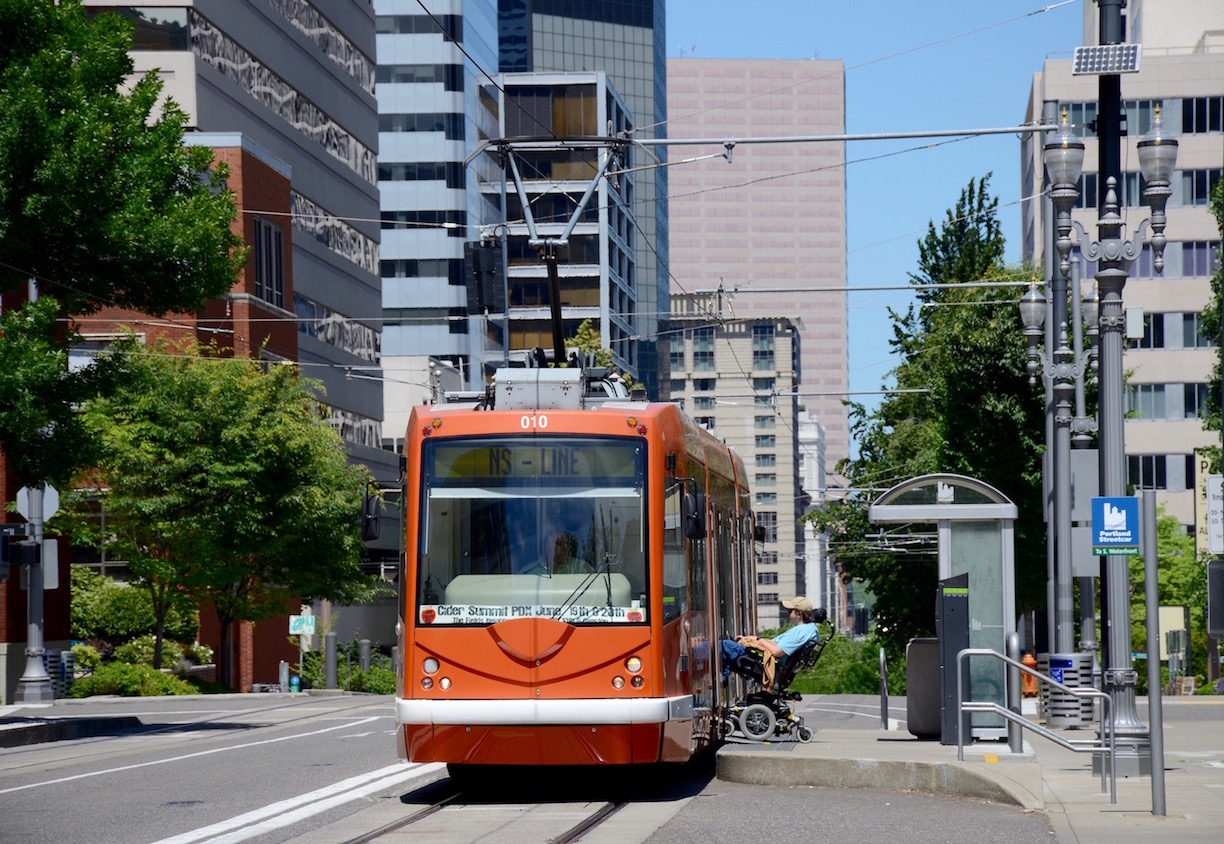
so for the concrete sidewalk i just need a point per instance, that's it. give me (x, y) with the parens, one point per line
(1044, 777)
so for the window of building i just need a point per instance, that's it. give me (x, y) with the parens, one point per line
(762, 347)
(765, 422)
(764, 383)
(767, 598)
(677, 353)
(1195, 396)
(703, 350)
(704, 402)
(767, 558)
(1201, 115)
(1197, 185)
(1172, 331)
(705, 385)
(706, 422)
(766, 441)
(767, 578)
(451, 25)
(1080, 117)
(1192, 333)
(450, 172)
(1166, 401)
(1200, 258)
(269, 261)
(1170, 472)
(450, 75)
(450, 124)
(767, 460)
(766, 479)
(1139, 114)
(768, 523)
(678, 385)
(766, 499)
(1145, 401)
(1087, 188)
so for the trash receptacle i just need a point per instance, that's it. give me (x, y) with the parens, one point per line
(1059, 708)
(922, 712)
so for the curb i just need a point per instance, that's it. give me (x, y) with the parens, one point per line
(1016, 785)
(22, 733)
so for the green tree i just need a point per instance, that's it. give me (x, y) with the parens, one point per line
(40, 430)
(101, 204)
(1209, 324)
(222, 479)
(99, 198)
(1181, 581)
(972, 412)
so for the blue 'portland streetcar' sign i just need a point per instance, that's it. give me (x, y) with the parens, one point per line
(1115, 526)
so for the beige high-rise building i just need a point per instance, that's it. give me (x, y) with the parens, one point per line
(736, 378)
(767, 222)
(1181, 72)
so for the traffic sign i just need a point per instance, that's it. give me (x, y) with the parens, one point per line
(50, 501)
(1115, 526)
(1215, 514)
(301, 625)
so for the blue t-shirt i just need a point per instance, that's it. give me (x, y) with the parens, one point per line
(796, 637)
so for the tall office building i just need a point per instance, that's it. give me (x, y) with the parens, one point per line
(737, 377)
(597, 268)
(627, 40)
(769, 224)
(295, 80)
(1169, 366)
(437, 103)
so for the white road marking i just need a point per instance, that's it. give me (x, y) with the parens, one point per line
(294, 809)
(190, 756)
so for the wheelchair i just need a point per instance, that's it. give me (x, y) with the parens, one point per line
(761, 715)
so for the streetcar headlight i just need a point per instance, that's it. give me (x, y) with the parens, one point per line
(638, 681)
(633, 664)
(430, 665)
(618, 682)
(444, 683)
(427, 683)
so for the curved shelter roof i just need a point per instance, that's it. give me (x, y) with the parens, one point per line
(939, 496)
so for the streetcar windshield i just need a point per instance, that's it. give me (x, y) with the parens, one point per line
(545, 526)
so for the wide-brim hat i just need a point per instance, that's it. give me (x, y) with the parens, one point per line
(798, 603)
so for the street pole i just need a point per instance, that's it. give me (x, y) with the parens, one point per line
(35, 685)
(1083, 426)
(1131, 734)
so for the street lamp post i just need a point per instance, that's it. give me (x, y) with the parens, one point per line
(1064, 369)
(1157, 153)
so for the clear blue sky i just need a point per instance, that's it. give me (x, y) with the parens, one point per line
(910, 66)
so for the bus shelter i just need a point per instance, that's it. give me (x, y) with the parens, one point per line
(975, 529)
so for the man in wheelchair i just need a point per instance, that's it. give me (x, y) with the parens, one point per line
(757, 658)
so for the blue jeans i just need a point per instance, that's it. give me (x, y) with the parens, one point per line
(729, 652)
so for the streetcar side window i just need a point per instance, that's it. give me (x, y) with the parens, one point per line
(675, 591)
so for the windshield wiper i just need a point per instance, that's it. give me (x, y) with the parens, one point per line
(604, 568)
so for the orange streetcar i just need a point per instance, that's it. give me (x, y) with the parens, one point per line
(573, 558)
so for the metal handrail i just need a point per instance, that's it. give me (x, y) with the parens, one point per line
(883, 691)
(1099, 746)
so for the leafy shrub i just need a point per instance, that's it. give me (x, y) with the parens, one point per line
(103, 608)
(198, 654)
(139, 651)
(86, 657)
(119, 678)
(377, 681)
(850, 667)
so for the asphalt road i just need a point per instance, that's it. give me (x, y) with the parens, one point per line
(271, 769)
